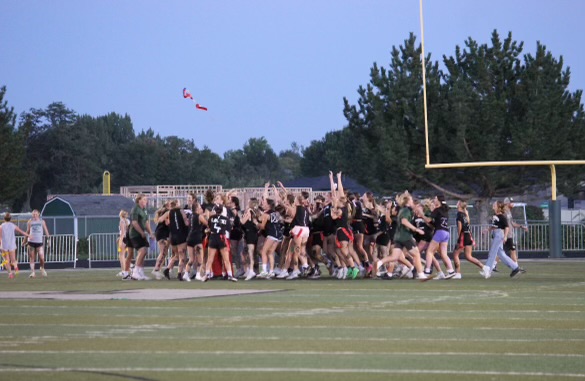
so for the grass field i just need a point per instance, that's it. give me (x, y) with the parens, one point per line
(469, 329)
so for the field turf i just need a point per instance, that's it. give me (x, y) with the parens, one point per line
(531, 328)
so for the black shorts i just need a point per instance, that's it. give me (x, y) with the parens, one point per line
(464, 240)
(408, 245)
(358, 227)
(509, 245)
(383, 239)
(139, 242)
(194, 239)
(178, 239)
(251, 237)
(236, 234)
(161, 235)
(343, 235)
(218, 241)
(317, 239)
(35, 245)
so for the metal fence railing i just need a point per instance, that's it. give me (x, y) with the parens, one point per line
(60, 248)
(536, 239)
(103, 247)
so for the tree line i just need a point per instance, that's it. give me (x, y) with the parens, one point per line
(486, 102)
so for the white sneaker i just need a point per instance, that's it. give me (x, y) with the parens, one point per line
(271, 275)
(486, 272)
(157, 275)
(422, 276)
(186, 277)
(262, 275)
(120, 274)
(283, 274)
(457, 276)
(340, 273)
(405, 271)
(32, 275)
(440, 276)
(43, 272)
(136, 276)
(335, 272)
(251, 275)
(198, 276)
(277, 271)
(450, 275)
(294, 275)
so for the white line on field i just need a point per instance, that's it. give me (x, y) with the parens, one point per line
(296, 353)
(296, 370)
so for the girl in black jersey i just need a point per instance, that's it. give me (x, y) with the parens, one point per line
(499, 230)
(178, 226)
(236, 235)
(250, 222)
(219, 226)
(197, 225)
(440, 221)
(358, 228)
(343, 234)
(299, 236)
(370, 216)
(161, 233)
(465, 241)
(271, 224)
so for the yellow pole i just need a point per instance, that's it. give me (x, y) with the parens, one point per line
(553, 174)
(424, 77)
(106, 181)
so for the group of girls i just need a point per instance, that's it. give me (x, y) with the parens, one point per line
(352, 235)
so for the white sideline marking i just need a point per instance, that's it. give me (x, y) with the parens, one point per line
(136, 294)
(297, 353)
(297, 370)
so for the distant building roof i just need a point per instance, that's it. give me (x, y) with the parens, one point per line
(86, 205)
(321, 183)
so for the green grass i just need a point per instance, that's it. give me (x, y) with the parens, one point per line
(496, 329)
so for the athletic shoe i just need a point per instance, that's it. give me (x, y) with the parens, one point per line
(362, 272)
(457, 276)
(277, 271)
(11, 276)
(316, 273)
(386, 276)
(262, 275)
(517, 271)
(271, 275)
(369, 271)
(240, 273)
(283, 274)
(334, 272)
(423, 277)
(405, 271)
(355, 273)
(345, 273)
(135, 276)
(186, 277)
(495, 269)
(340, 273)
(167, 274)
(180, 277)
(126, 276)
(32, 275)
(294, 275)
(304, 270)
(120, 274)
(440, 275)
(251, 275)
(197, 275)
(43, 272)
(232, 279)
(486, 272)
(450, 275)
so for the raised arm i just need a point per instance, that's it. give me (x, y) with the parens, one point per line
(339, 184)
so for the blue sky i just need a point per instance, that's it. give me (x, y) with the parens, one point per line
(271, 68)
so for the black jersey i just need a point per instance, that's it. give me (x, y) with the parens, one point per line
(328, 224)
(274, 227)
(342, 222)
(219, 223)
(177, 224)
(236, 232)
(462, 217)
(440, 217)
(357, 205)
(301, 217)
(370, 223)
(318, 224)
(499, 221)
(196, 226)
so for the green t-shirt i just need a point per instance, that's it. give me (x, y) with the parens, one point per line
(138, 214)
(403, 234)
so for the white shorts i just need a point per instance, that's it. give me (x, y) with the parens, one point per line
(300, 231)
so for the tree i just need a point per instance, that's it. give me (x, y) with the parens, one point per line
(11, 155)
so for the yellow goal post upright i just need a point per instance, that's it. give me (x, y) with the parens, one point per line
(555, 233)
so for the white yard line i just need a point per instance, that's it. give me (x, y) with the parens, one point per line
(294, 370)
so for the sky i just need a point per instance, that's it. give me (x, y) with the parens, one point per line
(277, 69)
